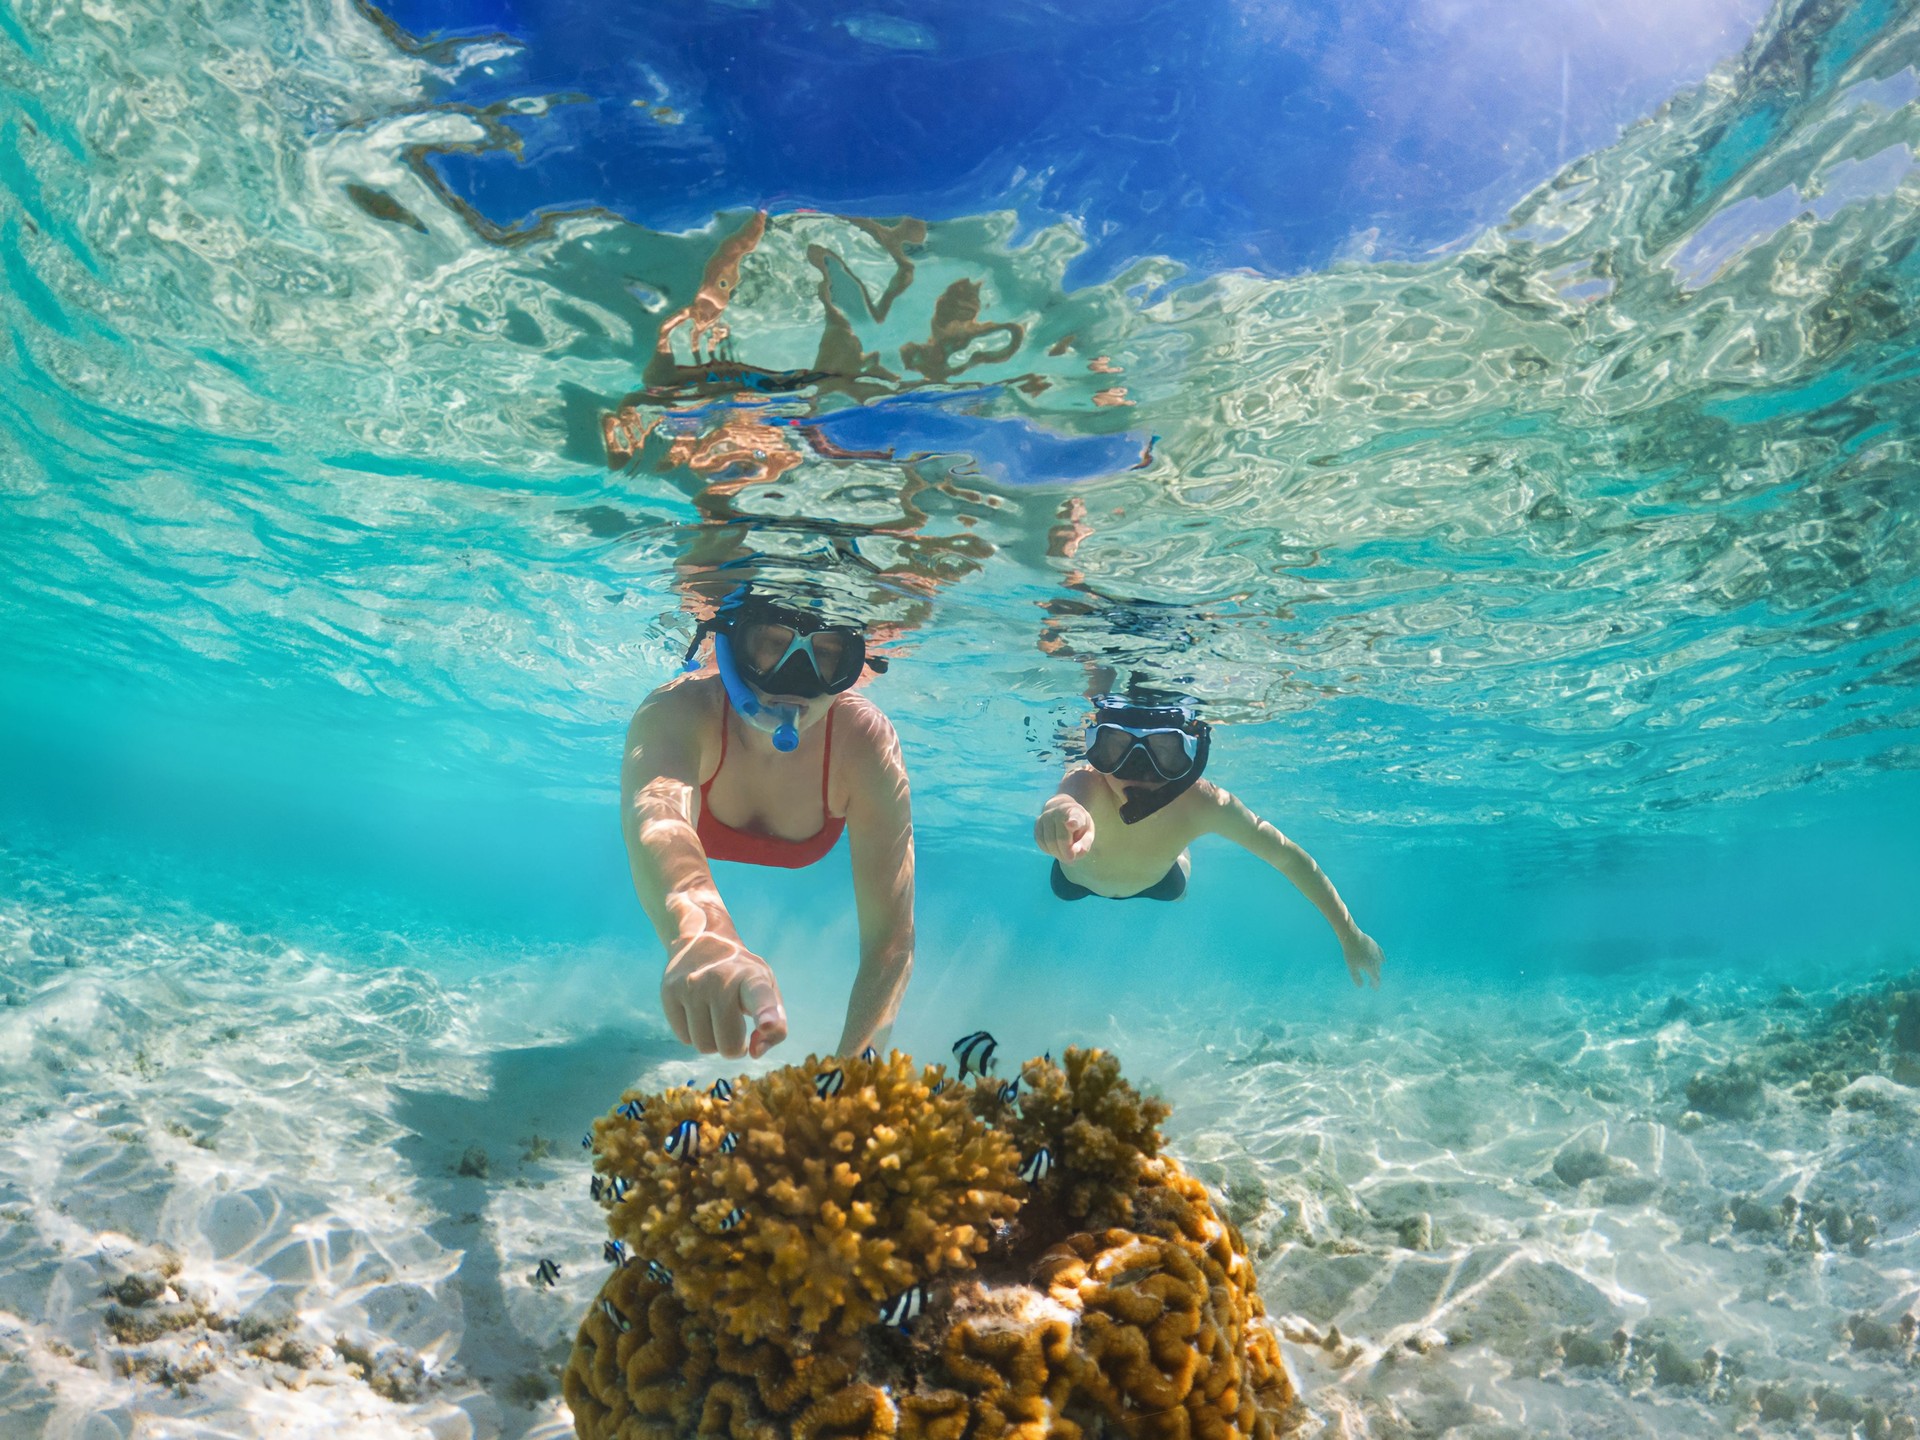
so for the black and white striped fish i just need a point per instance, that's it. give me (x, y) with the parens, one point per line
(546, 1273)
(596, 1187)
(828, 1082)
(659, 1273)
(1010, 1091)
(628, 1110)
(685, 1140)
(937, 1086)
(975, 1052)
(612, 1311)
(904, 1308)
(721, 1089)
(615, 1252)
(732, 1218)
(1039, 1165)
(869, 1054)
(586, 1141)
(617, 1189)
(729, 1142)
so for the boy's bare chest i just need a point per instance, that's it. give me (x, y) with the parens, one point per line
(1159, 837)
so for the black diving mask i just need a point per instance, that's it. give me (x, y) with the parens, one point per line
(1128, 752)
(1162, 745)
(788, 652)
(779, 655)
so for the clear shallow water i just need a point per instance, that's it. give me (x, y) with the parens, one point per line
(1557, 589)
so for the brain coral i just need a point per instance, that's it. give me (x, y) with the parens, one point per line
(1105, 1298)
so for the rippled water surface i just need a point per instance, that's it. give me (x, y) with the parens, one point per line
(1531, 508)
(1595, 519)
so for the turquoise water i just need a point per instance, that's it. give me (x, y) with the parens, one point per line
(1558, 588)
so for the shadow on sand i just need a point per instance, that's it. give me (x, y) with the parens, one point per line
(554, 1091)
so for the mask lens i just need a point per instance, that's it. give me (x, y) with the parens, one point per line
(1171, 752)
(759, 646)
(834, 654)
(1107, 746)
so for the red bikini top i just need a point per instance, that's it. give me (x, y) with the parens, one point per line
(753, 847)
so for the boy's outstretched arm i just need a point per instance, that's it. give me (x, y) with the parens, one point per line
(1237, 823)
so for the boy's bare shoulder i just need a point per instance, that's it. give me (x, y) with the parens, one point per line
(1211, 808)
(1204, 795)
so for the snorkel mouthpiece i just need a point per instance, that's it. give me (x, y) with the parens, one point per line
(779, 721)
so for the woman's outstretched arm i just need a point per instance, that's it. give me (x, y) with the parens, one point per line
(880, 831)
(714, 988)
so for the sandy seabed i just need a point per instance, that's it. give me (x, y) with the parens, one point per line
(257, 1188)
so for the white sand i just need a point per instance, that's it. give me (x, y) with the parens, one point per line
(288, 1124)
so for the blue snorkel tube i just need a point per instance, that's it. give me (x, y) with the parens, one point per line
(780, 721)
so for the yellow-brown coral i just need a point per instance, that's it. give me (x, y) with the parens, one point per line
(846, 1199)
(1059, 1326)
(1100, 1131)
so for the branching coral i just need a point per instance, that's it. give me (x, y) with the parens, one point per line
(843, 1200)
(1063, 1324)
(1099, 1131)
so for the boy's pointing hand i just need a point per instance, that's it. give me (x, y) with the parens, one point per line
(1064, 829)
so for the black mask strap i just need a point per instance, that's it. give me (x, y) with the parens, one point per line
(1142, 803)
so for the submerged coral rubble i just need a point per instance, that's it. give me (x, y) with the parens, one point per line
(859, 1256)
(1832, 1059)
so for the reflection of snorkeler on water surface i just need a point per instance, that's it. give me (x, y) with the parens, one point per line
(902, 427)
(731, 429)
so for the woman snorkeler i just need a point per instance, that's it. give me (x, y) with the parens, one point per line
(765, 762)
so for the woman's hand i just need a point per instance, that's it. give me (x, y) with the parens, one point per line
(1064, 829)
(715, 988)
(1363, 958)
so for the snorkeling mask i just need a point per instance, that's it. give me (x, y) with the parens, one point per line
(1167, 743)
(758, 644)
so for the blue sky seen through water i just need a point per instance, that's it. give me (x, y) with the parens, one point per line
(1267, 135)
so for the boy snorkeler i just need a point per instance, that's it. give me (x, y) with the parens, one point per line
(1120, 824)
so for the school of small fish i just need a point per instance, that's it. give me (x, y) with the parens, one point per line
(974, 1053)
